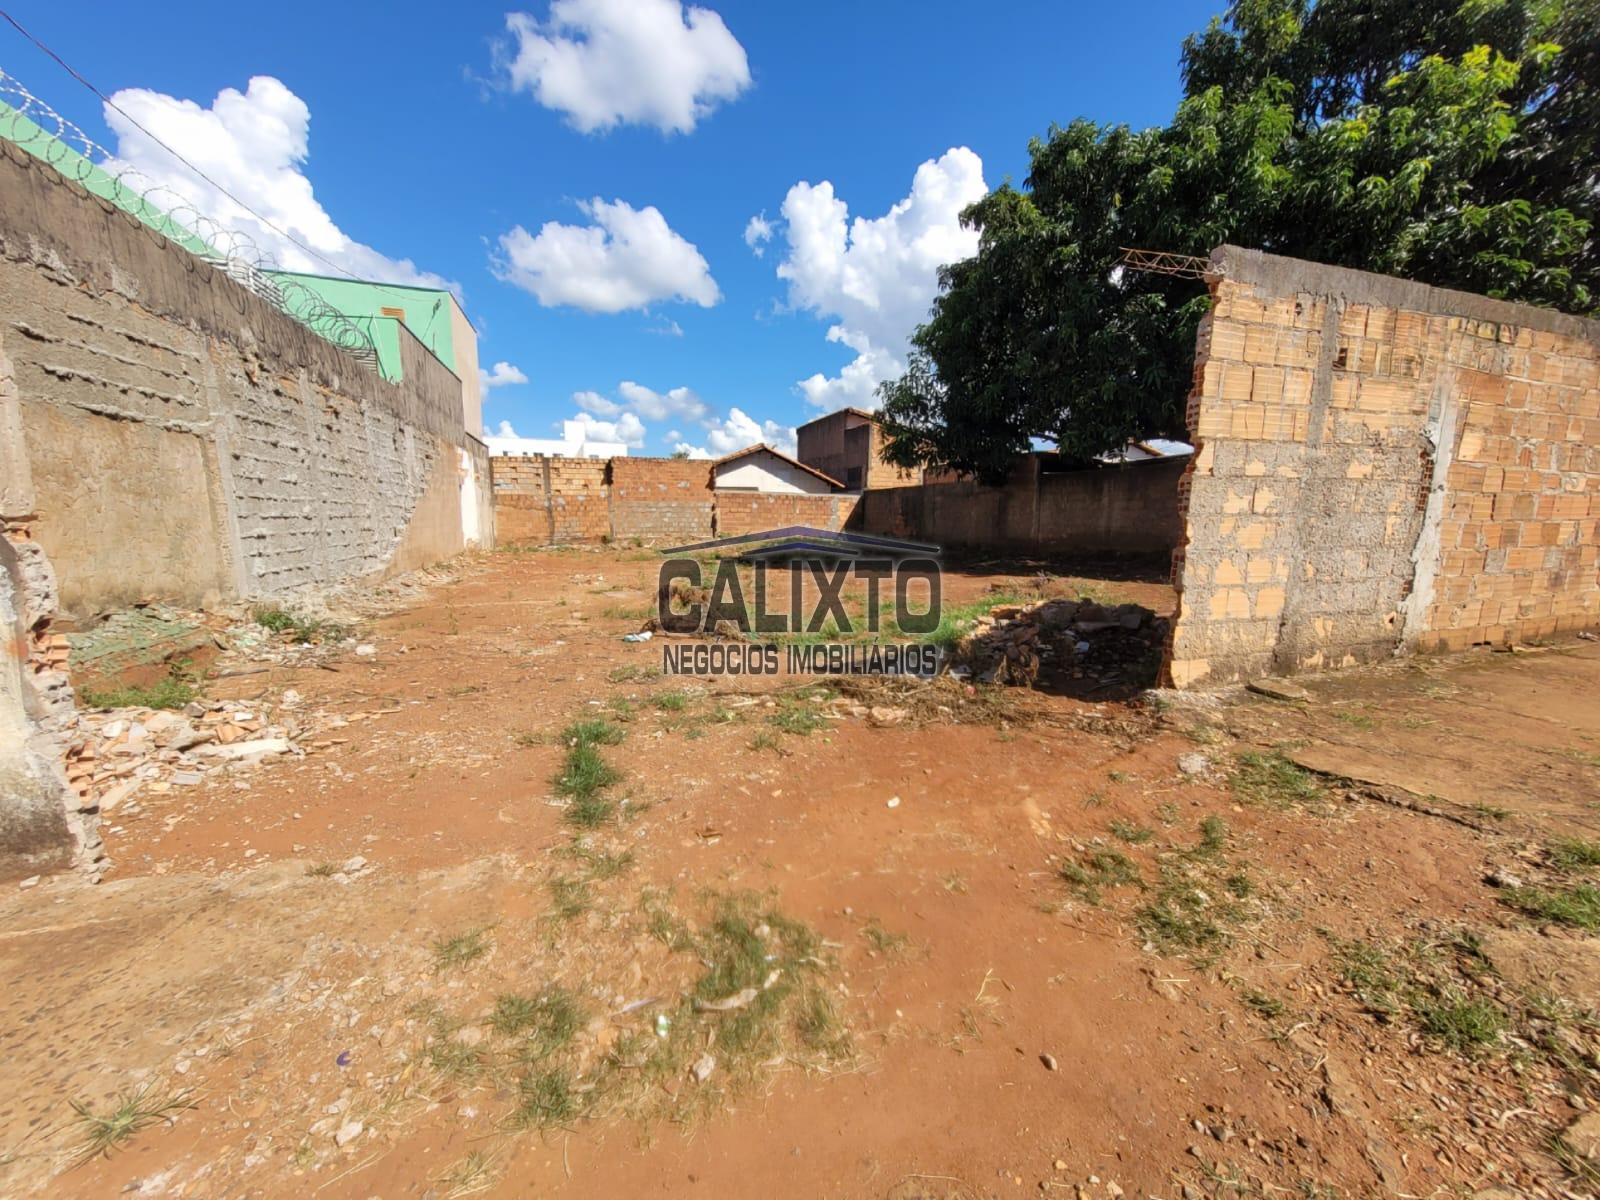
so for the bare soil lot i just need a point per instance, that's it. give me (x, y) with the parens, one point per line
(615, 934)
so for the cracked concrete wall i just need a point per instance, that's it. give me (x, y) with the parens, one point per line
(1381, 466)
(189, 442)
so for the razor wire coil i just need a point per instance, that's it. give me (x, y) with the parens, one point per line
(54, 139)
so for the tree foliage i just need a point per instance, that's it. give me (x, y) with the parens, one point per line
(1452, 141)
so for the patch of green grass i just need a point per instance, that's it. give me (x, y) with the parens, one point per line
(1492, 812)
(1213, 838)
(750, 945)
(595, 731)
(301, 629)
(172, 691)
(1131, 832)
(1100, 869)
(670, 701)
(1183, 918)
(1368, 970)
(454, 1059)
(956, 621)
(1574, 854)
(800, 713)
(1273, 781)
(601, 864)
(1267, 1006)
(570, 896)
(458, 951)
(762, 740)
(584, 773)
(1462, 1024)
(130, 1112)
(1576, 906)
(546, 1098)
(544, 1023)
(633, 674)
(799, 721)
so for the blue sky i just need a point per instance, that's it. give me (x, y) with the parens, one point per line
(413, 141)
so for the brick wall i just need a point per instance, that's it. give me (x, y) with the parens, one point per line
(661, 500)
(1129, 509)
(554, 499)
(1381, 466)
(747, 512)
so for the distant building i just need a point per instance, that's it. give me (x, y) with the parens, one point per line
(574, 442)
(760, 468)
(848, 446)
(1143, 451)
(431, 314)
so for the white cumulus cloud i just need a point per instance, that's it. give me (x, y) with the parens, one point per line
(737, 430)
(255, 144)
(628, 258)
(500, 375)
(633, 404)
(876, 276)
(757, 233)
(627, 429)
(605, 63)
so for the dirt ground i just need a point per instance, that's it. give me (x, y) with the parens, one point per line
(1149, 946)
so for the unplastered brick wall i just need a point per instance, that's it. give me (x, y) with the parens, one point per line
(750, 512)
(1381, 466)
(661, 500)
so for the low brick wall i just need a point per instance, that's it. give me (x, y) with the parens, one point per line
(1130, 509)
(1382, 466)
(748, 512)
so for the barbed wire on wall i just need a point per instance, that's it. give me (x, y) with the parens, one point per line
(38, 129)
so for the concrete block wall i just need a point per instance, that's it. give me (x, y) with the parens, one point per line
(555, 499)
(188, 441)
(1381, 466)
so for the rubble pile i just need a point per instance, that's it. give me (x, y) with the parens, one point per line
(1075, 639)
(123, 751)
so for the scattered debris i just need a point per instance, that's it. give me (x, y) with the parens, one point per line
(1076, 639)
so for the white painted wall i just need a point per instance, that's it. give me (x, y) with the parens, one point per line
(767, 473)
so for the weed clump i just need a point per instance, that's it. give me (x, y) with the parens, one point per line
(130, 1112)
(174, 690)
(1098, 870)
(1272, 781)
(302, 630)
(1578, 906)
(459, 950)
(585, 774)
